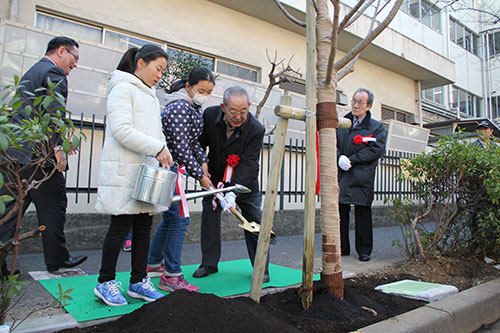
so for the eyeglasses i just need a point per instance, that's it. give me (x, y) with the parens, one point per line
(74, 55)
(359, 103)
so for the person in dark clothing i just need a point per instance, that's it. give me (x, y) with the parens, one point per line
(234, 138)
(358, 151)
(485, 137)
(50, 197)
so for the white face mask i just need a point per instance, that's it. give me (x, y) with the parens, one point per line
(199, 99)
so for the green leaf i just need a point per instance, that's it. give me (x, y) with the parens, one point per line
(66, 146)
(38, 100)
(17, 105)
(4, 142)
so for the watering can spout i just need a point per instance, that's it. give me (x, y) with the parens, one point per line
(195, 195)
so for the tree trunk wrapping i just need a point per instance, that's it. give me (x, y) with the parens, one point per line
(326, 116)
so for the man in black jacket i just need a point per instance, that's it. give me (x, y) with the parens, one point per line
(50, 197)
(234, 137)
(358, 151)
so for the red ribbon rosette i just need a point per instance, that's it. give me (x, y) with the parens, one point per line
(358, 139)
(232, 161)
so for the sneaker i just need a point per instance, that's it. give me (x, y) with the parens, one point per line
(127, 246)
(156, 271)
(173, 283)
(144, 290)
(109, 293)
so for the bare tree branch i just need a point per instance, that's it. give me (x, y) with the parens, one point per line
(333, 44)
(348, 16)
(359, 13)
(276, 78)
(288, 15)
(350, 68)
(369, 38)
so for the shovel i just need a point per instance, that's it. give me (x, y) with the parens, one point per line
(253, 227)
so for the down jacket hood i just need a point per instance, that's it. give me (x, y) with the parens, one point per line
(181, 94)
(118, 77)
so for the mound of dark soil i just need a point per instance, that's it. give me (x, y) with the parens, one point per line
(183, 311)
(282, 312)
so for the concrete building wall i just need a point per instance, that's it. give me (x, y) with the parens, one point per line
(214, 29)
(468, 70)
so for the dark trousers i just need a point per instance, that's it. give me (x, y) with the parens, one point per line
(363, 229)
(211, 229)
(50, 202)
(118, 230)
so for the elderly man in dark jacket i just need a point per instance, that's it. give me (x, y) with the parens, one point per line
(234, 138)
(358, 151)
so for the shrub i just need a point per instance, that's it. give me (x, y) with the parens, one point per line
(458, 207)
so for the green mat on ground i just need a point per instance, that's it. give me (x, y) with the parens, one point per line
(233, 278)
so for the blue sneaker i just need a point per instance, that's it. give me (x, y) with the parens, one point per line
(144, 290)
(109, 293)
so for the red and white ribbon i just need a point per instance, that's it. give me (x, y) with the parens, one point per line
(218, 196)
(184, 210)
(358, 139)
(232, 161)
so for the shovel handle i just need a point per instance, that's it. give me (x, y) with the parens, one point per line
(238, 215)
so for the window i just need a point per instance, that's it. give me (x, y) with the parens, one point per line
(237, 71)
(425, 11)
(495, 107)
(434, 94)
(388, 114)
(469, 104)
(198, 59)
(68, 28)
(464, 37)
(119, 40)
(494, 43)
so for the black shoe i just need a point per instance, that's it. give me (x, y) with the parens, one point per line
(266, 278)
(69, 263)
(203, 271)
(364, 257)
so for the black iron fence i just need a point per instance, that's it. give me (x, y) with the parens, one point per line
(82, 176)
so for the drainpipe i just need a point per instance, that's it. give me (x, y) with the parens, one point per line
(13, 10)
(486, 88)
(419, 103)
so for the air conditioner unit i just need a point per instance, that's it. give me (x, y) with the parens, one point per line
(410, 119)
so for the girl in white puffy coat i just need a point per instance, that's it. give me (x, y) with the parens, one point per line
(133, 136)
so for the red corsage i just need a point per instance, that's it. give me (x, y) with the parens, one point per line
(232, 161)
(358, 139)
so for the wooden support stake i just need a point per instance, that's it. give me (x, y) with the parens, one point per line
(310, 181)
(290, 112)
(269, 203)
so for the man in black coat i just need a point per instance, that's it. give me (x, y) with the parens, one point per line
(358, 151)
(50, 197)
(234, 138)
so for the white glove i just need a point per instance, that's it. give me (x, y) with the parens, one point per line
(344, 163)
(230, 199)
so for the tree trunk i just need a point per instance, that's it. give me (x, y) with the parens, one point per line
(327, 121)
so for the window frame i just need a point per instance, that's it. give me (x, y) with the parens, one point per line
(464, 37)
(164, 44)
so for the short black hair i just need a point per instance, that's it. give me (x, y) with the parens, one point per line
(370, 95)
(57, 42)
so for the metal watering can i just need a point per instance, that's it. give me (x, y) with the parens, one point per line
(156, 185)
